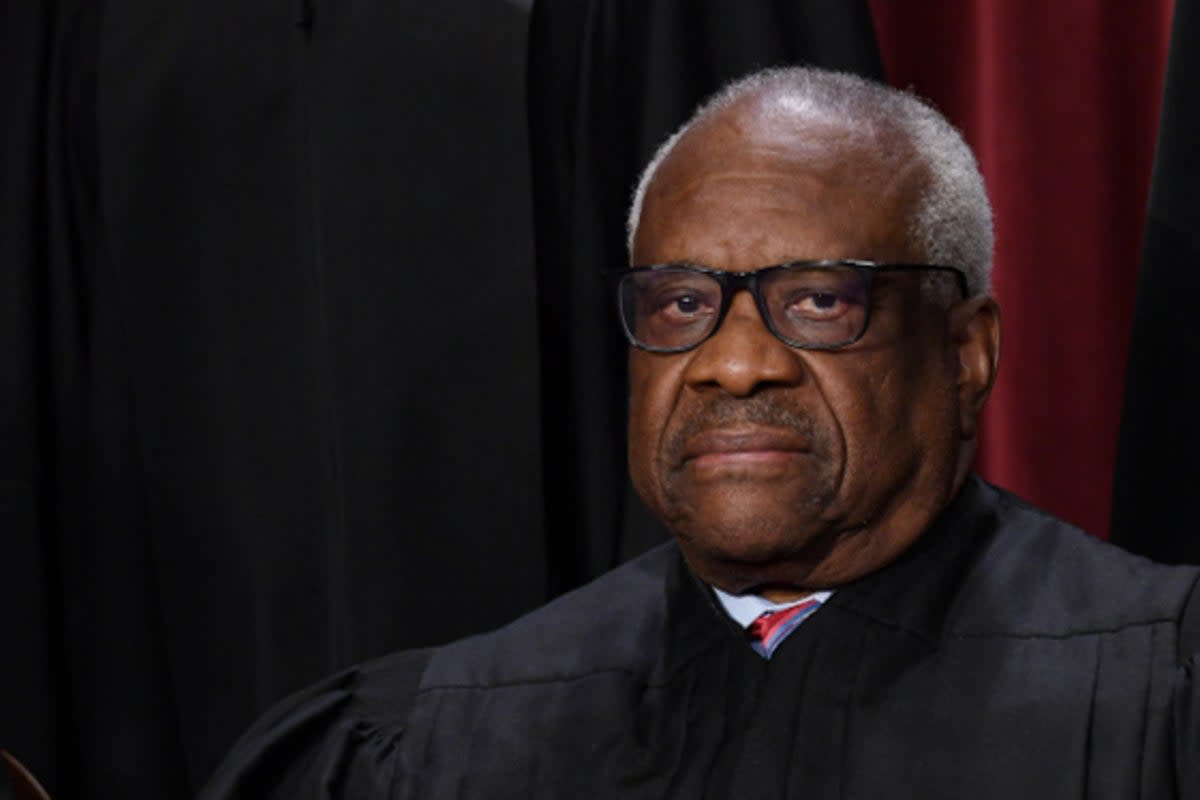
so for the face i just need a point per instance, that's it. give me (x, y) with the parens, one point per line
(781, 470)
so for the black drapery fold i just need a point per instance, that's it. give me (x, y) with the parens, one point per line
(609, 80)
(30, 685)
(270, 387)
(1157, 471)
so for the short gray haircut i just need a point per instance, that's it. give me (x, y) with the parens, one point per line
(952, 220)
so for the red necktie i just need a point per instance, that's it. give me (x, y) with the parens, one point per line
(770, 628)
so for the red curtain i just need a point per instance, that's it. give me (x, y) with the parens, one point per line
(1060, 102)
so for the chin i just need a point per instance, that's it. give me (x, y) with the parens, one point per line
(756, 520)
(755, 540)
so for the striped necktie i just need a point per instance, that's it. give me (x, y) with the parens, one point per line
(769, 630)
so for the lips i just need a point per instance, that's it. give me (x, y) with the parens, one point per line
(742, 443)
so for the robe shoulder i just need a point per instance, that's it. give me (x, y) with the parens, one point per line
(342, 736)
(336, 738)
(626, 609)
(1037, 576)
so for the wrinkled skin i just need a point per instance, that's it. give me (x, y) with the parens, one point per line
(781, 470)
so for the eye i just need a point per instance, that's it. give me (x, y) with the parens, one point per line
(680, 306)
(818, 306)
(816, 296)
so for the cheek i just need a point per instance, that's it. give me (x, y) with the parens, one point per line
(653, 389)
(890, 415)
(916, 411)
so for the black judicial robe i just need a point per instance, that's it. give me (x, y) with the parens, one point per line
(1006, 655)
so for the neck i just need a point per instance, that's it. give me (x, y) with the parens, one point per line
(781, 594)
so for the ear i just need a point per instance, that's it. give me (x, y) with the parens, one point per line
(975, 328)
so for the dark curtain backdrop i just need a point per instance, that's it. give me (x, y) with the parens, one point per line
(270, 363)
(1060, 102)
(1157, 469)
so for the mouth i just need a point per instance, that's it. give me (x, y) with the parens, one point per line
(743, 448)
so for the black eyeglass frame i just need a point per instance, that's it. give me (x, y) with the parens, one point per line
(733, 282)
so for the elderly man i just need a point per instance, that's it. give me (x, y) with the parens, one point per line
(846, 611)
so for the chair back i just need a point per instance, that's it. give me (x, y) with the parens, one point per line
(24, 786)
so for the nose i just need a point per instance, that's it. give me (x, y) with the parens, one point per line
(743, 355)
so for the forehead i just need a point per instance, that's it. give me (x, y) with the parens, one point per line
(749, 187)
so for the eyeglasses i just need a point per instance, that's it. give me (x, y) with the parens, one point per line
(813, 305)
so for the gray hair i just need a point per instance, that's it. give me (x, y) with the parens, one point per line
(952, 220)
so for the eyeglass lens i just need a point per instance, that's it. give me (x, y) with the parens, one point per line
(675, 308)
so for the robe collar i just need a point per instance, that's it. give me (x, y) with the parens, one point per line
(915, 593)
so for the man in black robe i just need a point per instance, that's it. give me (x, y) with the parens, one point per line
(846, 610)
